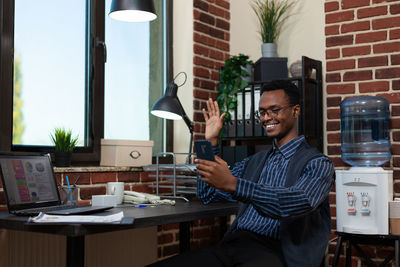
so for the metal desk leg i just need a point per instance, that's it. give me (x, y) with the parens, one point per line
(75, 251)
(184, 236)
(396, 253)
(337, 252)
(348, 253)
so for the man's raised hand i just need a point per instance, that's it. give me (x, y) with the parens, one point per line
(213, 120)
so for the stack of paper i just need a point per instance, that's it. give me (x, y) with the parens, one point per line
(46, 218)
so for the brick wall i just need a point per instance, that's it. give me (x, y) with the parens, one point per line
(211, 49)
(362, 58)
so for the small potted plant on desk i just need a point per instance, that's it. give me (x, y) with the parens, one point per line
(64, 145)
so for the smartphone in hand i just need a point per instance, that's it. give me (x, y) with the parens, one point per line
(204, 150)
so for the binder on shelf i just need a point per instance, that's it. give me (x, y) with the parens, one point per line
(230, 129)
(248, 130)
(258, 130)
(240, 128)
(247, 105)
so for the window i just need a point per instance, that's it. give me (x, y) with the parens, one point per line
(126, 79)
(49, 70)
(57, 75)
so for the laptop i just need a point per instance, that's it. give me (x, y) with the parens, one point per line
(30, 187)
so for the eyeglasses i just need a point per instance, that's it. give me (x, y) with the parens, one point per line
(271, 112)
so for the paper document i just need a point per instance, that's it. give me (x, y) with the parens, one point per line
(46, 218)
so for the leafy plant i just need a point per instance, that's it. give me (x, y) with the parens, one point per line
(231, 82)
(271, 15)
(63, 140)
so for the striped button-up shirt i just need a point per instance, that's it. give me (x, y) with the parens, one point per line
(268, 198)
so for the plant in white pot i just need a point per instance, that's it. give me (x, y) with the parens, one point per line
(271, 15)
(64, 145)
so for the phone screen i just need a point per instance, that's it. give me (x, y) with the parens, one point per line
(204, 150)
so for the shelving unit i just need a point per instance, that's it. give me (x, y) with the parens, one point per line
(245, 136)
(182, 181)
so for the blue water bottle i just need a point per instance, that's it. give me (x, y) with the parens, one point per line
(365, 131)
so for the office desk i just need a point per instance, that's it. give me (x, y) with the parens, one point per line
(182, 213)
(356, 239)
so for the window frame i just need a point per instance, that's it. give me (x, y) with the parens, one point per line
(94, 82)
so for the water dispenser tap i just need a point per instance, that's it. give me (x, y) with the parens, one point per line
(351, 203)
(365, 204)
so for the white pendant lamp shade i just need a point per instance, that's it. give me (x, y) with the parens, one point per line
(133, 10)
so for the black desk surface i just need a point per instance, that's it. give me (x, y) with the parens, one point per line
(144, 217)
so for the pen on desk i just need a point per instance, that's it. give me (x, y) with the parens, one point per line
(69, 190)
(140, 206)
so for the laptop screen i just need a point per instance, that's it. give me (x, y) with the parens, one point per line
(28, 179)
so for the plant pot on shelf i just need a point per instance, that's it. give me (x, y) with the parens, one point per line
(268, 50)
(63, 159)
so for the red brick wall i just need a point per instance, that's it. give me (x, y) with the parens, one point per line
(211, 48)
(362, 58)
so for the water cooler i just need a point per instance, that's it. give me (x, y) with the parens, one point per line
(363, 192)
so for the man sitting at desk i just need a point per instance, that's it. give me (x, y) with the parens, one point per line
(284, 217)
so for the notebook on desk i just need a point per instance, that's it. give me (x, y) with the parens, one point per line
(30, 187)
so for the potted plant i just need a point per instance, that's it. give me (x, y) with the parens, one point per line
(271, 14)
(233, 77)
(64, 145)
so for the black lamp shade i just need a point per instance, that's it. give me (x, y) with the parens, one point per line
(168, 106)
(133, 10)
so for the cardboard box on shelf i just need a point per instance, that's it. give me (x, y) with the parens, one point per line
(133, 153)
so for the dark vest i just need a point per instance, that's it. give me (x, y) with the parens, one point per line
(304, 239)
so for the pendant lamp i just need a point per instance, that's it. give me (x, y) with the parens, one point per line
(133, 10)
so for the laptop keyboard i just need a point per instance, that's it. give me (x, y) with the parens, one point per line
(36, 211)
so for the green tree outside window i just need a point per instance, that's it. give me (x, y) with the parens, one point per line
(18, 120)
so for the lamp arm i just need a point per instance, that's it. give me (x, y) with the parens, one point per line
(190, 125)
(188, 122)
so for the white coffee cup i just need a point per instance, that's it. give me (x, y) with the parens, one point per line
(116, 189)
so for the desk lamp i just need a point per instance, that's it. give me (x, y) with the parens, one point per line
(169, 107)
(133, 10)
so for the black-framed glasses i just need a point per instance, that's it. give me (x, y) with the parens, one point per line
(271, 112)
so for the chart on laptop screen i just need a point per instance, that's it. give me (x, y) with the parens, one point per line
(28, 180)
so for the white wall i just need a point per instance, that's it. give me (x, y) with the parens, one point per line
(183, 61)
(302, 34)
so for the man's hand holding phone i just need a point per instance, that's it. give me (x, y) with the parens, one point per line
(213, 169)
